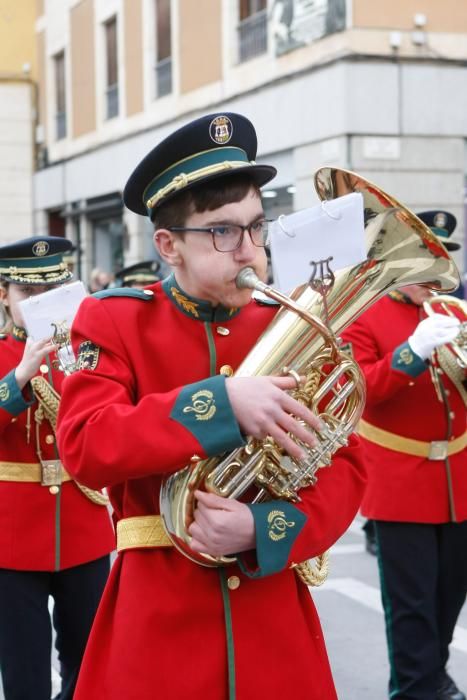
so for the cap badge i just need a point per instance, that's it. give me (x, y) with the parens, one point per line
(440, 220)
(220, 130)
(40, 248)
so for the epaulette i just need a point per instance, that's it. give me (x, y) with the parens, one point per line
(264, 300)
(143, 294)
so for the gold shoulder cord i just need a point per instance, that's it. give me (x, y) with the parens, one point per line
(49, 402)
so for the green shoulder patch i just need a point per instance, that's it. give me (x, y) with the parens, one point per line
(143, 294)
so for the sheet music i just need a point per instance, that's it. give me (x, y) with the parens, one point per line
(53, 309)
(332, 228)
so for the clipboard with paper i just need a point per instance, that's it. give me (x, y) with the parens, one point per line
(332, 232)
(50, 315)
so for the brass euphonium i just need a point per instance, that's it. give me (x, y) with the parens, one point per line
(401, 250)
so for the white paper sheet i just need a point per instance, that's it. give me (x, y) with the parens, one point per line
(57, 306)
(332, 228)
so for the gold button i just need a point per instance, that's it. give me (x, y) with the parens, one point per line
(195, 458)
(149, 292)
(233, 582)
(49, 439)
(54, 490)
(411, 383)
(43, 369)
(452, 414)
(222, 330)
(226, 370)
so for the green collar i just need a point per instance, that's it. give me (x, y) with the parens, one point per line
(19, 333)
(400, 296)
(195, 308)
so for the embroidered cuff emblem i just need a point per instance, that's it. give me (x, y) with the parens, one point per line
(88, 355)
(4, 392)
(203, 405)
(277, 525)
(405, 357)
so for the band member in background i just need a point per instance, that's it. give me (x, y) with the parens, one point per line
(139, 275)
(54, 540)
(414, 437)
(157, 392)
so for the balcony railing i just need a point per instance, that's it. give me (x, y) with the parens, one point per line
(112, 101)
(164, 77)
(60, 125)
(253, 36)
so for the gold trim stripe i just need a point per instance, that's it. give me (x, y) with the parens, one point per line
(14, 269)
(25, 472)
(184, 179)
(417, 448)
(141, 531)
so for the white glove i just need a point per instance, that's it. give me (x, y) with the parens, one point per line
(432, 332)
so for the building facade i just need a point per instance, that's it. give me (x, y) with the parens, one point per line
(17, 117)
(378, 88)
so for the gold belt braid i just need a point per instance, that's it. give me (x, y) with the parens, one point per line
(31, 472)
(25, 472)
(436, 450)
(141, 531)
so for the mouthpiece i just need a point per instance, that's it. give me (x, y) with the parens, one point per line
(248, 279)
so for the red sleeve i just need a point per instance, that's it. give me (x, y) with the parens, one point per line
(383, 380)
(106, 435)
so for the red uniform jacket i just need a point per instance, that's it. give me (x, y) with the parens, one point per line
(160, 629)
(401, 399)
(40, 530)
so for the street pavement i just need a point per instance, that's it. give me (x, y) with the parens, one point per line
(352, 618)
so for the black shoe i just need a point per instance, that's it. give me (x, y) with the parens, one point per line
(448, 690)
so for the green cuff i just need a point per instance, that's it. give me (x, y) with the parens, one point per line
(11, 397)
(277, 524)
(405, 360)
(204, 409)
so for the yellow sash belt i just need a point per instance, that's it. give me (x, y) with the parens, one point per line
(25, 472)
(141, 531)
(436, 450)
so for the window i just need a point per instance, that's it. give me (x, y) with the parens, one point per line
(252, 30)
(111, 67)
(163, 48)
(60, 105)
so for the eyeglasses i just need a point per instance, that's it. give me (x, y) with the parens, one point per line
(229, 237)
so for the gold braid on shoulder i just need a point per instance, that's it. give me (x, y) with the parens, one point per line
(49, 402)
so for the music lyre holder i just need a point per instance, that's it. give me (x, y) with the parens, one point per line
(322, 281)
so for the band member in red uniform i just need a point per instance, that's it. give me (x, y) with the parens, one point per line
(414, 437)
(54, 539)
(156, 391)
(139, 275)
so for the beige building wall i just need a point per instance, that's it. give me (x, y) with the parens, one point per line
(200, 61)
(16, 160)
(441, 15)
(17, 37)
(133, 28)
(42, 83)
(82, 56)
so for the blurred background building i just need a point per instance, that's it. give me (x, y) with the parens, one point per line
(376, 87)
(18, 76)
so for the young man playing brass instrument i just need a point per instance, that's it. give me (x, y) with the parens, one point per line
(157, 393)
